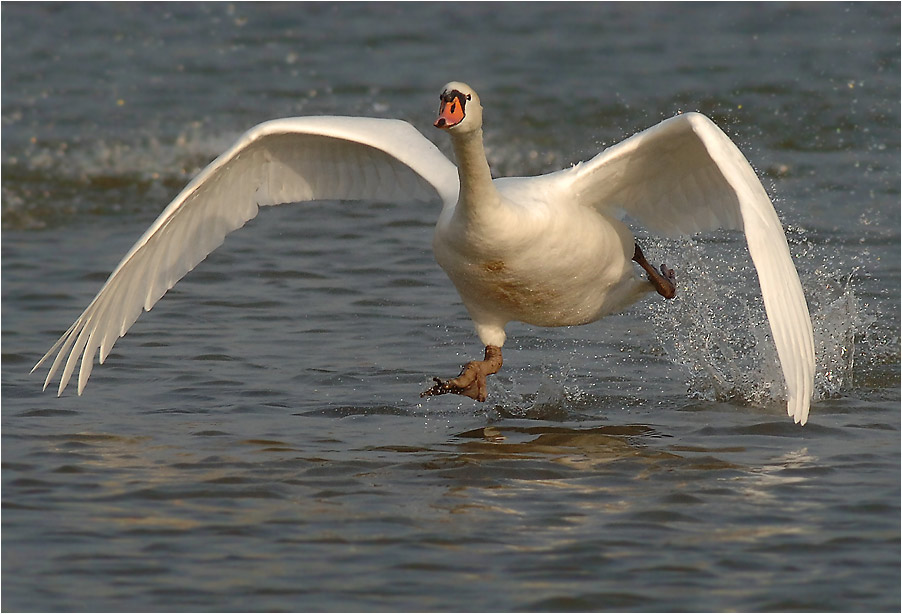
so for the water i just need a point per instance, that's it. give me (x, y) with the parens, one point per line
(257, 441)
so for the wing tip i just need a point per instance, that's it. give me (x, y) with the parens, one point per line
(798, 411)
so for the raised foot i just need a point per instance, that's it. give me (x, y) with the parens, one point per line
(664, 282)
(668, 281)
(471, 381)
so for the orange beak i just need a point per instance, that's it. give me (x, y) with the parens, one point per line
(450, 113)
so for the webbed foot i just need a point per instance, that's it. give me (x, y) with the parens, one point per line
(471, 381)
(664, 282)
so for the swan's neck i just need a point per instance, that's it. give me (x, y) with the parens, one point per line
(476, 187)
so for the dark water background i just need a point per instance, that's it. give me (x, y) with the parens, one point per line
(257, 441)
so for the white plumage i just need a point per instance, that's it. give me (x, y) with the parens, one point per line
(548, 250)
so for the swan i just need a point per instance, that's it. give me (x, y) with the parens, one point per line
(550, 250)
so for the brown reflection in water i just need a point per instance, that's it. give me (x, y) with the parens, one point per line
(576, 448)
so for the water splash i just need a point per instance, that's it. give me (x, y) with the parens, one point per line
(717, 331)
(554, 399)
(715, 328)
(839, 325)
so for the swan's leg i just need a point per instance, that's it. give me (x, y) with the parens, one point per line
(663, 281)
(471, 381)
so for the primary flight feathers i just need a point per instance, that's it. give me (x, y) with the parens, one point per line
(679, 177)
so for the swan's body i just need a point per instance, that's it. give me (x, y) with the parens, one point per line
(548, 250)
(539, 258)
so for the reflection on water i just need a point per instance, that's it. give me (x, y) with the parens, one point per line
(576, 448)
(550, 502)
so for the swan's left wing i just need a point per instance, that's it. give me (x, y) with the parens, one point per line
(280, 161)
(685, 176)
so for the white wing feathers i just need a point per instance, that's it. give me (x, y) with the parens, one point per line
(677, 178)
(684, 176)
(281, 161)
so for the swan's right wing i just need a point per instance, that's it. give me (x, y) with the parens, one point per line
(685, 176)
(280, 161)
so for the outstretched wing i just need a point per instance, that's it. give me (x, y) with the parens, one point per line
(280, 161)
(684, 176)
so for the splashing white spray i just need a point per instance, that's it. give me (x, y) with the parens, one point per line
(717, 330)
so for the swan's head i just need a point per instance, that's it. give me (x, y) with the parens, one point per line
(459, 110)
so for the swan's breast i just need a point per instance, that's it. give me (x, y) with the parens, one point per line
(523, 294)
(537, 260)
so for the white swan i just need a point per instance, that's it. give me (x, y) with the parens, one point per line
(547, 250)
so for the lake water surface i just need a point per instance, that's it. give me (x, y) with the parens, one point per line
(257, 442)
